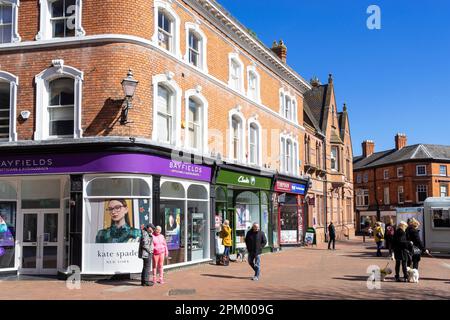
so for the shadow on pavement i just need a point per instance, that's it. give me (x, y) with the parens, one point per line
(224, 276)
(118, 283)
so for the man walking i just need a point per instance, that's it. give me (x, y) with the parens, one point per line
(332, 235)
(255, 241)
(146, 253)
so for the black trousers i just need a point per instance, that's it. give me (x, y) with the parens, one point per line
(415, 262)
(334, 242)
(397, 268)
(146, 270)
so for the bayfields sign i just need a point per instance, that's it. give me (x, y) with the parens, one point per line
(102, 163)
(284, 186)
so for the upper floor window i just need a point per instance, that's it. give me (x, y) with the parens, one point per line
(167, 26)
(386, 174)
(58, 102)
(444, 190)
(196, 46)
(236, 75)
(253, 91)
(386, 195)
(358, 178)
(366, 177)
(422, 193)
(400, 172)
(307, 151)
(8, 105)
(421, 170)
(318, 157)
(60, 19)
(166, 109)
(401, 194)
(254, 143)
(443, 171)
(237, 137)
(288, 106)
(362, 197)
(196, 119)
(8, 21)
(61, 107)
(334, 158)
(289, 156)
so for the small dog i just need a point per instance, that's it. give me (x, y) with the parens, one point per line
(413, 275)
(241, 255)
(384, 273)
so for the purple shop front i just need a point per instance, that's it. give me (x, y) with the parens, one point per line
(102, 163)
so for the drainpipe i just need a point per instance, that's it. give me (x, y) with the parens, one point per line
(325, 190)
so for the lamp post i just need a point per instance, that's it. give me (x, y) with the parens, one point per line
(129, 85)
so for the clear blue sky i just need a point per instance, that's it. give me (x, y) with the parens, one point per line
(396, 79)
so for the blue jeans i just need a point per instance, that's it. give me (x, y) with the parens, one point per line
(226, 252)
(254, 260)
(379, 244)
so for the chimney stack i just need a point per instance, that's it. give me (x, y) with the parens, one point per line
(400, 141)
(280, 50)
(368, 148)
(315, 82)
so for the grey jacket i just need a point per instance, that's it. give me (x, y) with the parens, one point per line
(146, 245)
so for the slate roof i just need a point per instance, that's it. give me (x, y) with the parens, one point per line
(414, 152)
(314, 99)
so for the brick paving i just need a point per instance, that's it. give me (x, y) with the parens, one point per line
(292, 274)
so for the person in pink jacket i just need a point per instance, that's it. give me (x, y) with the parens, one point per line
(160, 251)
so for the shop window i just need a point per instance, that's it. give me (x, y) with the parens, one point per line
(198, 229)
(8, 207)
(7, 191)
(60, 19)
(41, 194)
(172, 190)
(197, 192)
(221, 194)
(247, 212)
(118, 187)
(441, 218)
(265, 214)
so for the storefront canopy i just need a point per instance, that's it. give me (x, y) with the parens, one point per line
(243, 180)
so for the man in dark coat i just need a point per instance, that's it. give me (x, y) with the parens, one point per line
(332, 235)
(401, 251)
(255, 241)
(146, 254)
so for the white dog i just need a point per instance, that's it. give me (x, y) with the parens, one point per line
(413, 275)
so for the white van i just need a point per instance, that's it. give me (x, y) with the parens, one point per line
(437, 224)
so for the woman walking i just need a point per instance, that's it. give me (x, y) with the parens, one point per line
(389, 235)
(379, 236)
(160, 251)
(401, 248)
(226, 241)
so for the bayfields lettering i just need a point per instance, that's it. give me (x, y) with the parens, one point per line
(26, 163)
(185, 167)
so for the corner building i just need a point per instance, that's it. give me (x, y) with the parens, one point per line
(215, 116)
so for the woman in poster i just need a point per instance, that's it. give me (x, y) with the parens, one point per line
(120, 230)
(171, 222)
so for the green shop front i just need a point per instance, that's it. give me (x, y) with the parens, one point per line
(243, 198)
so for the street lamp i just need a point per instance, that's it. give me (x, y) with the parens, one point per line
(129, 85)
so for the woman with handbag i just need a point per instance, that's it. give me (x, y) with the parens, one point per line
(412, 235)
(401, 247)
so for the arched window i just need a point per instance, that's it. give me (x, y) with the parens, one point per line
(196, 134)
(253, 91)
(236, 125)
(9, 15)
(60, 19)
(166, 114)
(196, 46)
(289, 163)
(236, 72)
(8, 106)
(58, 102)
(254, 137)
(167, 26)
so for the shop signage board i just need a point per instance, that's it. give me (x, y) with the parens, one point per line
(102, 163)
(243, 180)
(284, 186)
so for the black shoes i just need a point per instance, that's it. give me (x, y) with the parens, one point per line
(147, 284)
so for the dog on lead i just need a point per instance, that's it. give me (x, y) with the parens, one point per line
(241, 255)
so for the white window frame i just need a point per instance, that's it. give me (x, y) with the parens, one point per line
(398, 172)
(386, 196)
(417, 170)
(168, 81)
(336, 169)
(386, 174)
(193, 27)
(401, 190)
(59, 70)
(255, 122)
(196, 94)
(417, 192)
(167, 7)
(440, 173)
(234, 57)
(241, 153)
(252, 70)
(15, 4)
(45, 26)
(443, 186)
(293, 112)
(360, 197)
(284, 139)
(13, 84)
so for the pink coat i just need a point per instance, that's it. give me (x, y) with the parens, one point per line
(160, 245)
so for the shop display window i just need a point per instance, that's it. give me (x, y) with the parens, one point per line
(8, 207)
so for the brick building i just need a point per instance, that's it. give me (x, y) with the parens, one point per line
(117, 113)
(328, 161)
(401, 177)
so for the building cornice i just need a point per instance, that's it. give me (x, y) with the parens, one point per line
(215, 15)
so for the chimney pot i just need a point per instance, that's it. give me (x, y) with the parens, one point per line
(368, 148)
(280, 50)
(400, 141)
